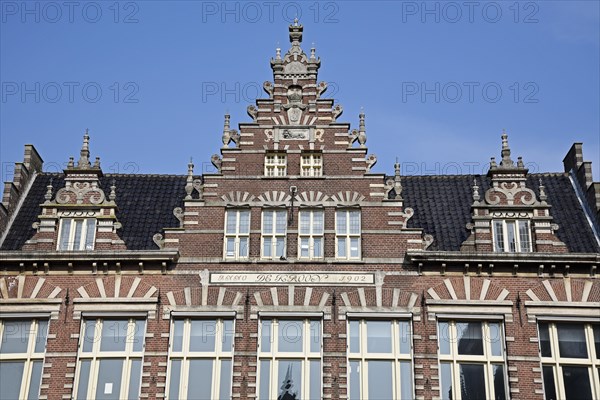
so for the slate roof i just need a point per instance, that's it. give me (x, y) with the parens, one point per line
(442, 207)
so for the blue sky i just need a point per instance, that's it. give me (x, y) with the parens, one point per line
(438, 80)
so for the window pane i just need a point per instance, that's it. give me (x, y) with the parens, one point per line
(200, 380)
(341, 247)
(267, 247)
(472, 381)
(469, 338)
(89, 234)
(304, 247)
(499, 236)
(524, 236)
(315, 336)
(138, 334)
(84, 378)
(290, 336)
(10, 379)
(227, 335)
(64, 234)
(114, 333)
(355, 222)
(231, 221)
(380, 380)
(78, 231)
(244, 247)
(444, 337)
(354, 337)
(571, 340)
(305, 222)
(511, 236)
(265, 379)
(341, 223)
(267, 222)
(177, 335)
(354, 376)
(446, 381)
(549, 386)
(318, 247)
(406, 391)
(174, 379)
(596, 329)
(202, 335)
(225, 384)
(577, 383)
(379, 337)
(318, 222)
(404, 335)
(15, 336)
(89, 335)
(244, 221)
(281, 223)
(280, 247)
(290, 379)
(230, 247)
(545, 347)
(354, 248)
(109, 379)
(495, 338)
(35, 380)
(499, 387)
(265, 333)
(42, 333)
(315, 380)
(134, 379)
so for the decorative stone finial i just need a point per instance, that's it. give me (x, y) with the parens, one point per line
(113, 191)
(520, 163)
(296, 21)
(97, 162)
(278, 53)
(312, 52)
(506, 162)
(84, 158)
(543, 196)
(71, 163)
(396, 182)
(48, 195)
(189, 183)
(362, 130)
(476, 196)
(226, 131)
(493, 162)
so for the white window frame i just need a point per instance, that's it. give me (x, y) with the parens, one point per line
(275, 165)
(84, 243)
(520, 247)
(556, 362)
(312, 234)
(273, 356)
(311, 165)
(273, 235)
(348, 236)
(185, 356)
(237, 236)
(487, 359)
(31, 356)
(395, 356)
(95, 356)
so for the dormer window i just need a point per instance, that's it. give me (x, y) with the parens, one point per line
(77, 234)
(512, 236)
(275, 164)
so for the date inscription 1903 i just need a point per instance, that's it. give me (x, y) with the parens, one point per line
(282, 278)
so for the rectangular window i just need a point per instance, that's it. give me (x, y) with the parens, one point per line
(289, 359)
(570, 360)
(200, 359)
(22, 349)
(311, 164)
(310, 234)
(512, 236)
(472, 362)
(347, 231)
(275, 164)
(77, 234)
(237, 234)
(380, 359)
(109, 362)
(274, 229)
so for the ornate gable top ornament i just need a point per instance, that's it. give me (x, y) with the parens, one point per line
(507, 165)
(84, 166)
(295, 62)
